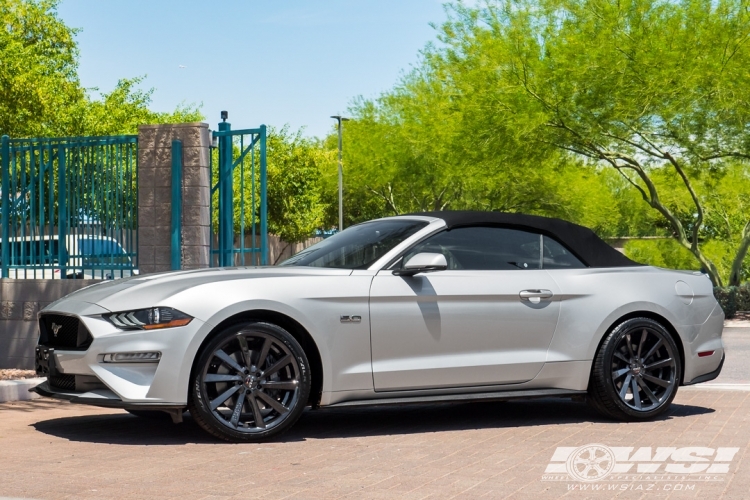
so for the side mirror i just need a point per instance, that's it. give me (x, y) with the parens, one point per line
(423, 263)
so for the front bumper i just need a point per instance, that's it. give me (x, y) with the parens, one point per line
(83, 376)
(100, 397)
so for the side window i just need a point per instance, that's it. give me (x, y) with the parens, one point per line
(483, 248)
(557, 256)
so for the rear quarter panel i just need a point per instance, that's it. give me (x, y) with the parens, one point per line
(592, 301)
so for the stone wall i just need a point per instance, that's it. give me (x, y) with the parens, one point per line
(20, 301)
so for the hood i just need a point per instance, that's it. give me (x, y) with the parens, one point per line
(151, 289)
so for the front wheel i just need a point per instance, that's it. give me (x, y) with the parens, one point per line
(250, 383)
(636, 371)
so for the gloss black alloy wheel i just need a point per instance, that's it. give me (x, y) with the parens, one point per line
(250, 383)
(636, 371)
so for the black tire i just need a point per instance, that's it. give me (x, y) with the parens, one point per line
(260, 364)
(636, 371)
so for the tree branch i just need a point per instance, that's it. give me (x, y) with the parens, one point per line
(735, 275)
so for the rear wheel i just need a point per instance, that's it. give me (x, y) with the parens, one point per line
(636, 371)
(250, 383)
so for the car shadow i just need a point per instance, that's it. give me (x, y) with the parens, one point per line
(348, 422)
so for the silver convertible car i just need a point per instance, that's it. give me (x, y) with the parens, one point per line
(441, 306)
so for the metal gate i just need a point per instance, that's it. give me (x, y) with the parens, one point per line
(69, 207)
(239, 212)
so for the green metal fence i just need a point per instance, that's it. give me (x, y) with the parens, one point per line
(239, 213)
(69, 207)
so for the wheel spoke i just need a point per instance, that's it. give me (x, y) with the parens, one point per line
(272, 402)
(649, 394)
(286, 385)
(629, 341)
(657, 381)
(215, 403)
(278, 366)
(251, 381)
(624, 388)
(636, 393)
(644, 334)
(256, 411)
(263, 353)
(228, 360)
(619, 355)
(219, 377)
(246, 354)
(238, 409)
(659, 364)
(619, 373)
(652, 350)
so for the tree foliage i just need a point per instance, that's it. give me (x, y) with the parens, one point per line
(40, 93)
(39, 89)
(576, 109)
(295, 198)
(652, 89)
(127, 106)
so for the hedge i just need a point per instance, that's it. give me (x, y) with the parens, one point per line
(733, 298)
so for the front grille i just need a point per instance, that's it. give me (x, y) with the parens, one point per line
(65, 382)
(63, 332)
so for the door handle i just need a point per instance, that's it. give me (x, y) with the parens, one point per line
(535, 296)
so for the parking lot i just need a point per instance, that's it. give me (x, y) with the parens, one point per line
(54, 450)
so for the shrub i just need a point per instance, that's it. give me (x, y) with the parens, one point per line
(733, 298)
(727, 297)
(743, 297)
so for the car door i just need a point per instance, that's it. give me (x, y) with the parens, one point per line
(486, 320)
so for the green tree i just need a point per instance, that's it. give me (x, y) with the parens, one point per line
(125, 107)
(295, 199)
(421, 147)
(655, 90)
(39, 89)
(443, 138)
(40, 93)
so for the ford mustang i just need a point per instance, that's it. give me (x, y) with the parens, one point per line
(441, 306)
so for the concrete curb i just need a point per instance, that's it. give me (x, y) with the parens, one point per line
(718, 387)
(18, 390)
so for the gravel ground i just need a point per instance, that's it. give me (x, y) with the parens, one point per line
(13, 374)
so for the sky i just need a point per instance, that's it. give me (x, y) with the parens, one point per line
(270, 62)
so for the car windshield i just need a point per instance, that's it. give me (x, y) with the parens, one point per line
(357, 247)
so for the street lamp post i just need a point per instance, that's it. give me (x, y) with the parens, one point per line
(340, 119)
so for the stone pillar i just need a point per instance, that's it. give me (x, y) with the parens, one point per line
(155, 195)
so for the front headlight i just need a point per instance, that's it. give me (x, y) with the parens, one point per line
(148, 319)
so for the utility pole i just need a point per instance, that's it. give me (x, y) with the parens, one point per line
(340, 119)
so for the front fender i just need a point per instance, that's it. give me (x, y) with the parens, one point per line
(247, 306)
(316, 303)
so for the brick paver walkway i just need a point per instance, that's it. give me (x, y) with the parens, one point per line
(54, 450)
(51, 450)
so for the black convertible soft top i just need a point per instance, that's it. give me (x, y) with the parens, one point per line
(580, 240)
